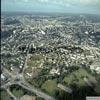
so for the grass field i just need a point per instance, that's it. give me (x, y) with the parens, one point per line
(50, 86)
(35, 61)
(18, 93)
(77, 77)
(4, 95)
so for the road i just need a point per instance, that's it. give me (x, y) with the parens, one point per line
(29, 88)
(9, 92)
(67, 89)
(36, 91)
(23, 83)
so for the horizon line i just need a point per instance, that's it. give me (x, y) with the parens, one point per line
(30, 12)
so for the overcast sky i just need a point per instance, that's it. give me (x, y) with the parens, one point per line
(66, 6)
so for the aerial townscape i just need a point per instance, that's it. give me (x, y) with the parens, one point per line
(50, 56)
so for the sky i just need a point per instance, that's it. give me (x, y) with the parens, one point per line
(63, 6)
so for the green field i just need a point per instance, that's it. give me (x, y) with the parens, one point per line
(4, 95)
(77, 77)
(50, 86)
(35, 61)
(18, 93)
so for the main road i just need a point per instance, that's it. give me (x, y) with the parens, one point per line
(23, 83)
